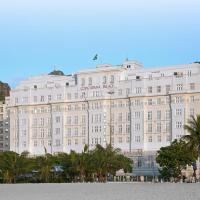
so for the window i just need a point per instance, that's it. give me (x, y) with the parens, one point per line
(83, 130)
(167, 88)
(59, 96)
(168, 138)
(76, 141)
(189, 73)
(178, 99)
(69, 132)
(120, 92)
(120, 129)
(120, 139)
(69, 107)
(76, 131)
(49, 97)
(178, 112)
(137, 138)
(191, 111)
(158, 101)
(83, 106)
(127, 91)
(112, 78)
(42, 143)
(159, 89)
(167, 126)
(25, 99)
(34, 133)
(138, 90)
(90, 81)
(57, 142)
(137, 114)
(127, 128)
(150, 127)
(149, 89)
(137, 102)
(35, 143)
(137, 127)
(191, 98)
(34, 122)
(76, 107)
(83, 119)
(149, 115)
(167, 114)
(69, 120)
(119, 117)
(16, 100)
(150, 139)
(58, 119)
(76, 120)
(42, 133)
(57, 131)
(150, 102)
(158, 114)
(42, 98)
(76, 95)
(104, 80)
(192, 86)
(127, 139)
(69, 142)
(159, 138)
(82, 82)
(158, 127)
(49, 142)
(179, 87)
(178, 125)
(42, 121)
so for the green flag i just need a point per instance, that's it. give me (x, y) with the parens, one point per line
(95, 57)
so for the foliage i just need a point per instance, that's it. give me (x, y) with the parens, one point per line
(13, 165)
(93, 165)
(173, 159)
(193, 138)
(57, 73)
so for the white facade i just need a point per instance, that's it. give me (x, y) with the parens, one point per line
(135, 109)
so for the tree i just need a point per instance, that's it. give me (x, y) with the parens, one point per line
(173, 159)
(13, 165)
(44, 165)
(193, 138)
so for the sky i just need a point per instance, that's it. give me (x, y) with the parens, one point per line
(38, 36)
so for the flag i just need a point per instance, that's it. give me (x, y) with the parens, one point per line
(95, 57)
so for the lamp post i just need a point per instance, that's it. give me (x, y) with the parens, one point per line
(110, 93)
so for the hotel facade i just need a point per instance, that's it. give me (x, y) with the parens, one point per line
(135, 109)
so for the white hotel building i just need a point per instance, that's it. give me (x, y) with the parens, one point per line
(136, 109)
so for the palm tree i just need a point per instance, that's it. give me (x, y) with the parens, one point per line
(193, 138)
(13, 165)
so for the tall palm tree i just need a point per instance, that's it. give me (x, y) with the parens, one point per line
(193, 139)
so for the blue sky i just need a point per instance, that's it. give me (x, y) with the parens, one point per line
(36, 35)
